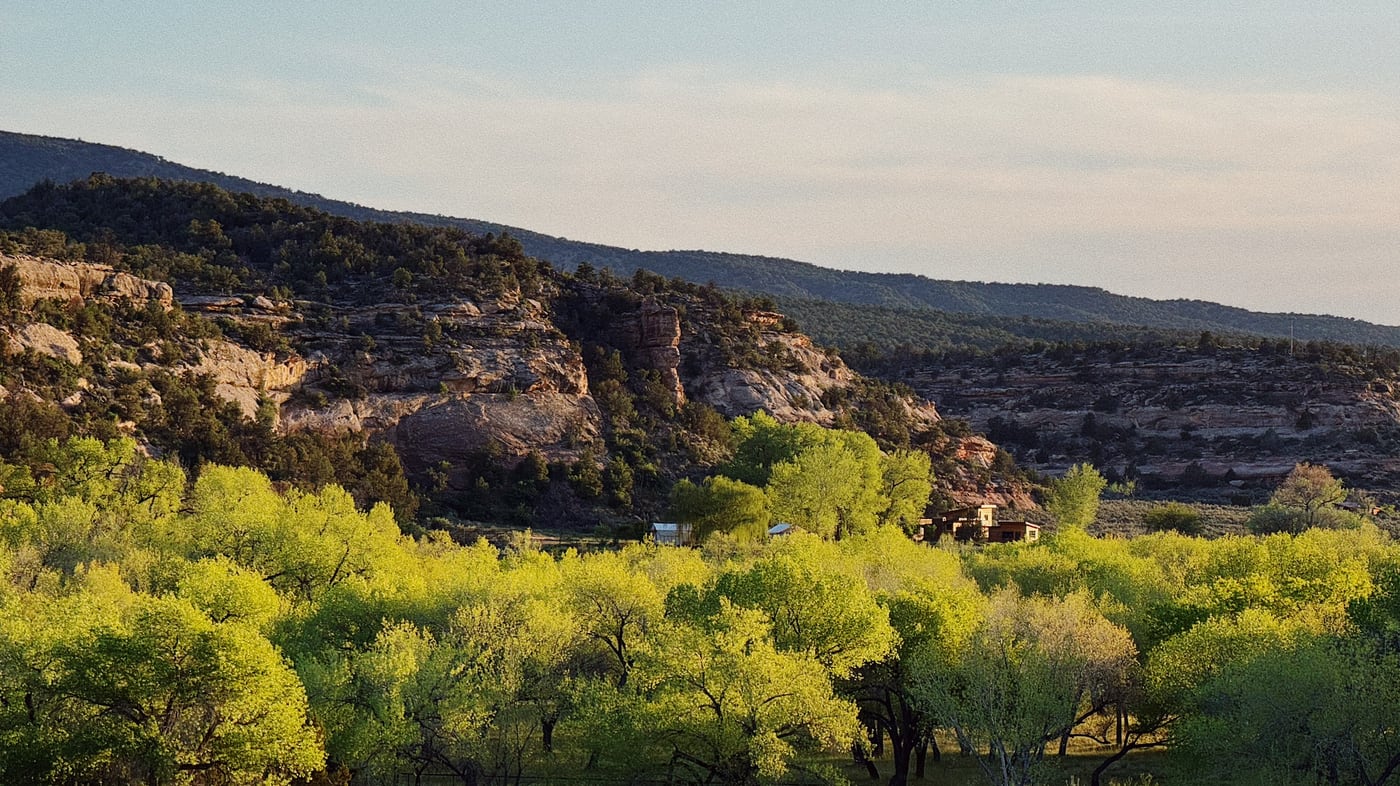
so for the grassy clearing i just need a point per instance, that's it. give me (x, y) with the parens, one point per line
(1124, 517)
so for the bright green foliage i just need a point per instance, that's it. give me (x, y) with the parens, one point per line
(615, 606)
(148, 633)
(762, 442)
(720, 504)
(150, 690)
(1027, 676)
(1074, 499)
(907, 483)
(1179, 666)
(226, 592)
(814, 608)
(731, 705)
(831, 489)
(302, 544)
(97, 501)
(830, 482)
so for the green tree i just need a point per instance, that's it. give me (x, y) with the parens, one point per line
(157, 693)
(831, 489)
(720, 504)
(731, 706)
(1033, 672)
(761, 442)
(813, 607)
(1319, 708)
(1074, 499)
(907, 483)
(615, 606)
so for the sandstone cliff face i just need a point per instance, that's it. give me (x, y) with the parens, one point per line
(47, 279)
(244, 376)
(44, 339)
(658, 338)
(787, 383)
(439, 380)
(971, 480)
(453, 381)
(1179, 416)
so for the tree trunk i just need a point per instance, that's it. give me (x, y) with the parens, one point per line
(1097, 778)
(547, 733)
(858, 754)
(921, 754)
(903, 749)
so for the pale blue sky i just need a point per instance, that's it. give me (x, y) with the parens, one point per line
(1247, 153)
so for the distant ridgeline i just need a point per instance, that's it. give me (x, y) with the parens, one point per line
(25, 160)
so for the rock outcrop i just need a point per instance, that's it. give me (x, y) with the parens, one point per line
(47, 279)
(462, 378)
(244, 376)
(788, 384)
(1228, 422)
(44, 339)
(658, 339)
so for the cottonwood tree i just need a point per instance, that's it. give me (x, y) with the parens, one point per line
(1074, 499)
(930, 620)
(831, 489)
(730, 706)
(721, 504)
(1034, 670)
(811, 608)
(615, 606)
(907, 482)
(149, 690)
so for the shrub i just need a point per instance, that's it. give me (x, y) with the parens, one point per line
(1173, 516)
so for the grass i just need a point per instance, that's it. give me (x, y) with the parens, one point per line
(1157, 767)
(1124, 517)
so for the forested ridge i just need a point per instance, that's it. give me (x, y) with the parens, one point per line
(394, 310)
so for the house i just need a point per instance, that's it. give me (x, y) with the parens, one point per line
(780, 529)
(981, 523)
(1010, 531)
(670, 533)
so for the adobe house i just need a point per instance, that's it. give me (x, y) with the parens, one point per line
(981, 523)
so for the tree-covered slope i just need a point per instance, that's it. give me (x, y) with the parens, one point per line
(26, 159)
(223, 327)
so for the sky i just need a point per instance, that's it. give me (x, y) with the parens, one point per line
(1241, 152)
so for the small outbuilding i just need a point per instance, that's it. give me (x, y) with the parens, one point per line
(670, 533)
(780, 529)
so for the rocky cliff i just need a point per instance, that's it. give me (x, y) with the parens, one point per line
(452, 381)
(1210, 421)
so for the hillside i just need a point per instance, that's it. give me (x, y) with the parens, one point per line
(25, 160)
(1220, 421)
(404, 360)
